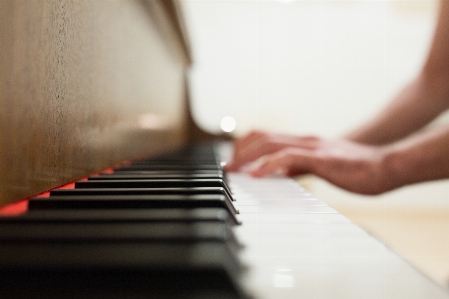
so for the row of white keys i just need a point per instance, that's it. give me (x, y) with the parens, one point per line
(298, 247)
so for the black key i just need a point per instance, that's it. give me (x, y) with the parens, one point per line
(118, 232)
(144, 191)
(149, 176)
(163, 174)
(172, 172)
(119, 270)
(125, 215)
(156, 183)
(151, 183)
(178, 161)
(191, 151)
(113, 201)
(142, 176)
(186, 167)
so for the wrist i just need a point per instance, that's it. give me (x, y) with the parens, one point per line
(395, 164)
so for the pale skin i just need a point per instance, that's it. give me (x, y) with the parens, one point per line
(390, 151)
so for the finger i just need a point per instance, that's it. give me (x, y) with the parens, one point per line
(256, 150)
(291, 160)
(251, 153)
(309, 142)
(239, 148)
(252, 147)
(257, 144)
(248, 138)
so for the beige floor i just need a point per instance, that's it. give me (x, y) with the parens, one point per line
(422, 238)
(410, 221)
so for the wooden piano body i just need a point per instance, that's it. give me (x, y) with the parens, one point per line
(88, 84)
(85, 85)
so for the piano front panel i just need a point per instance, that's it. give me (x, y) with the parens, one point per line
(84, 85)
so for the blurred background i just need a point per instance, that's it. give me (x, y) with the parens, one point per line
(322, 67)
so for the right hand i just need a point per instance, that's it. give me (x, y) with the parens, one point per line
(353, 166)
(259, 143)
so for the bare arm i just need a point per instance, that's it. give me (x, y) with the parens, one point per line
(419, 102)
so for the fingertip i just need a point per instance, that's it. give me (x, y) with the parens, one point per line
(231, 167)
(257, 173)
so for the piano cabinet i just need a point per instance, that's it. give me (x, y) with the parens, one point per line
(85, 85)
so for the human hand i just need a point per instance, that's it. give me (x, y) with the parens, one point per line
(258, 144)
(349, 165)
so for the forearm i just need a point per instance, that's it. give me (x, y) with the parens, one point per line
(421, 101)
(422, 157)
(417, 105)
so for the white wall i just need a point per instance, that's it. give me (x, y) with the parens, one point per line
(303, 66)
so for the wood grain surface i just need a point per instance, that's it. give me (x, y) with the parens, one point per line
(85, 85)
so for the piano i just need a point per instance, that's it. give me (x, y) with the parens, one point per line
(109, 189)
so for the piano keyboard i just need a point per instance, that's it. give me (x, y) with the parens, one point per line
(176, 226)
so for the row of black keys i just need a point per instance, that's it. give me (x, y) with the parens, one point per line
(160, 228)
